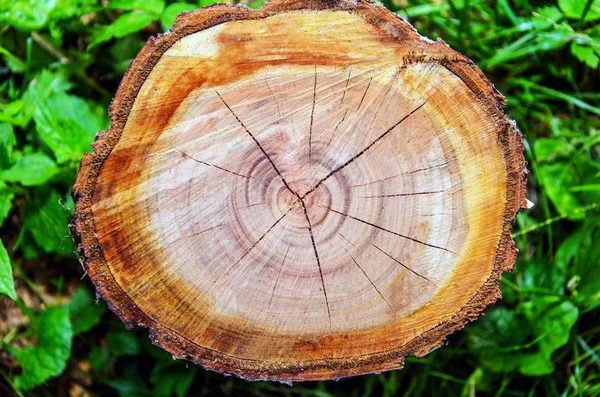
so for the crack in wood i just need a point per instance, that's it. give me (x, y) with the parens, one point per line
(404, 194)
(404, 266)
(312, 117)
(278, 274)
(312, 239)
(403, 173)
(259, 240)
(212, 165)
(389, 231)
(274, 99)
(364, 150)
(258, 144)
(335, 130)
(346, 87)
(207, 230)
(365, 93)
(366, 275)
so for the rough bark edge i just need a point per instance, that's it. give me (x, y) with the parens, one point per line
(83, 226)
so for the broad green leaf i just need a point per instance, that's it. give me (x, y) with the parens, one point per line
(256, 4)
(585, 54)
(31, 15)
(153, 6)
(547, 149)
(551, 319)
(170, 13)
(574, 9)
(31, 170)
(6, 197)
(123, 343)
(26, 15)
(46, 220)
(126, 24)
(49, 356)
(124, 50)
(7, 142)
(7, 283)
(129, 383)
(99, 358)
(577, 241)
(585, 266)
(204, 3)
(66, 123)
(84, 311)
(538, 275)
(556, 179)
(496, 338)
(172, 378)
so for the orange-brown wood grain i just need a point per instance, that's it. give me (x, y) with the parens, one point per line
(307, 191)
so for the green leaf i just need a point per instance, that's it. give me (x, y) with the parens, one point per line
(84, 311)
(256, 4)
(536, 275)
(585, 266)
(170, 13)
(65, 122)
(574, 9)
(7, 142)
(31, 15)
(6, 197)
(123, 343)
(7, 283)
(496, 336)
(31, 170)
(551, 319)
(172, 378)
(129, 383)
(126, 24)
(99, 358)
(46, 220)
(153, 6)
(26, 15)
(586, 55)
(556, 179)
(576, 242)
(49, 357)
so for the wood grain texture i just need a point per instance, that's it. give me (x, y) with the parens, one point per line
(307, 191)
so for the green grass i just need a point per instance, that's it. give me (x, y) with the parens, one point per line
(60, 64)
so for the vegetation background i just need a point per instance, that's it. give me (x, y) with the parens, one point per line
(61, 62)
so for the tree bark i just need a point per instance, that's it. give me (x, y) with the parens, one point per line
(306, 191)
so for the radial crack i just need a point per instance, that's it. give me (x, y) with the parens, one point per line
(207, 230)
(211, 165)
(389, 231)
(365, 94)
(404, 194)
(403, 173)
(312, 239)
(259, 240)
(278, 274)
(404, 266)
(346, 87)
(257, 144)
(364, 150)
(274, 99)
(370, 281)
(312, 117)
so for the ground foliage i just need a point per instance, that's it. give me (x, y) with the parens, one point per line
(60, 63)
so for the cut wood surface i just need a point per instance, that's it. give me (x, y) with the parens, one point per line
(307, 191)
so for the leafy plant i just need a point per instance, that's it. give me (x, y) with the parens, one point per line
(60, 64)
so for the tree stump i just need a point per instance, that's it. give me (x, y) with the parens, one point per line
(306, 191)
